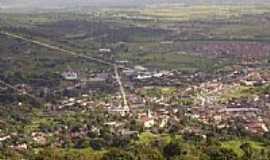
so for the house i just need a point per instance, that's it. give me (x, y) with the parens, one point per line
(129, 72)
(164, 122)
(140, 68)
(148, 122)
(157, 75)
(167, 42)
(256, 127)
(23, 88)
(20, 104)
(39, 137)
(145, 76)
(70, 75)
(20, 146)
(103, 76)
(242, 110)
(122, 62)
(100, 77)
(121, 110)
(114, 124)
(4, 138)
(248, 83)
(129, 133)
(104, 50)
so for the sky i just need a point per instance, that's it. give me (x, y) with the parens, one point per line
(107, 3)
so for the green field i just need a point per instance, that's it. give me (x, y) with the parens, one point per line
(235, 145)
(244, 92)
(202, 12)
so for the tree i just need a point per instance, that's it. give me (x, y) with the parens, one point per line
(82, 143)
(145, 152)
(216, 153)
(97, 144)
(118, 154)
(10, 154)
(48, 154)
(248, 151)
(56, 154)
(172, 150)
(187, 157)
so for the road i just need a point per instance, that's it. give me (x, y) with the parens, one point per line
(122, 90)
(61, 50)
(75, 54)
(20, 92)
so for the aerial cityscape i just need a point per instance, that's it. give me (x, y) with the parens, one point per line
(134, 80)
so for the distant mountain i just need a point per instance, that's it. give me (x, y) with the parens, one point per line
(108, 3)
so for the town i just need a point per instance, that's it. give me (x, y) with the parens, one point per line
(153, 82)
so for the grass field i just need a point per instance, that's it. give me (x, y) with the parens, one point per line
(148, 137)
(200, 12)
(244, 92)
(235, 145)
(175, 61)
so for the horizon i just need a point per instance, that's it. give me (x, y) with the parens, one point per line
(56, 4)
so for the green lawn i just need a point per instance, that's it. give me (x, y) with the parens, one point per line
(244, 92)
(148, 137)
(87, 152)
(235, 145)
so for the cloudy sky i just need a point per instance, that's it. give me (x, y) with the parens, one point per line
(70, 3)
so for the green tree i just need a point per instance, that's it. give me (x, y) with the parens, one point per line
(48, 154)
(118, 154)
(248, 151)
(187, 157)
(172, 149)
(144, 152)
(216, 153)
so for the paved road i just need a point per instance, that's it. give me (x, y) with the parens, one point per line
(122, 90)
(46, 45)
(72, 53)
(39, 101)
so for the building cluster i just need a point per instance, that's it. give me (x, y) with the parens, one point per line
(239, 99)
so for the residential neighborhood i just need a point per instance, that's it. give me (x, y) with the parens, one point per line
(134, 80)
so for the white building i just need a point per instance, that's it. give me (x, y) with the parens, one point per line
(104, 50)
(70, 75)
